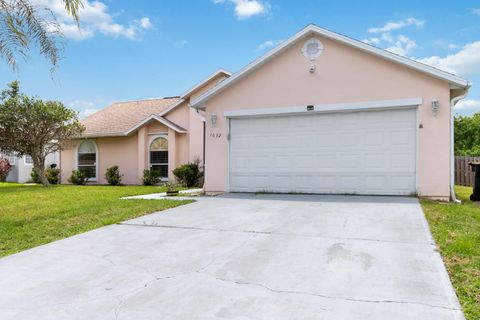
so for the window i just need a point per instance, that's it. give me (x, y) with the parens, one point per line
(10, 156)
(159, 156)
(28, 160)
(87, 159)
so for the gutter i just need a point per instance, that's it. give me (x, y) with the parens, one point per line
(453, 102)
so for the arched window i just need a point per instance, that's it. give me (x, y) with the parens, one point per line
(87, 159)
(159, 156)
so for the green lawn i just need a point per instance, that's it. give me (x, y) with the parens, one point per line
(34, 215)
(456, 229)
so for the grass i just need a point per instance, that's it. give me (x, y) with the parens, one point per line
(456, 229)
(31, 215)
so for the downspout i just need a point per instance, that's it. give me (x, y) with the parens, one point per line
(453, 102)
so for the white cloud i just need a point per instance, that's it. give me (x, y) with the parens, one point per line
(87, 112)
(245, 9)
(268, 44)
(372, 40)
(467, 104)
(94, 18)
(402, 46)
(181, 43)
(86, 108)
(453, 46)
(395, 25)
(145, 23)
(475, 11)
(465, 62)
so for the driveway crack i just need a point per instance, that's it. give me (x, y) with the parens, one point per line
(246, 283)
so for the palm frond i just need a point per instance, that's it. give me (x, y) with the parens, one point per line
(23, 25)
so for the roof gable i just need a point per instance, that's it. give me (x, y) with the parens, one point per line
(454, 81)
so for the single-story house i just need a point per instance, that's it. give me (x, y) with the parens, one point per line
(319, 113)
(157, 134)
(325, 113)
(22, 166)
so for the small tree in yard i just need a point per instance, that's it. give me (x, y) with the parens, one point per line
(5, 168)
(30, 126)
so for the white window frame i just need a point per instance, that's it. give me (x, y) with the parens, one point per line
(153, 138)
(10, 156)
(25, 162)
(96, 159)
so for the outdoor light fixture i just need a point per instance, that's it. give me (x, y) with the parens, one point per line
(435, 107)
(213, 119)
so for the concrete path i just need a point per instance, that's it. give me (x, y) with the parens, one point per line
(240, 257)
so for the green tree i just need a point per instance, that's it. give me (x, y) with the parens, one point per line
(30, 126)
(467, 135)
(24, 25)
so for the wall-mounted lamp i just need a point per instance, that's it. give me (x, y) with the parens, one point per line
(213, 119)
(435, 107)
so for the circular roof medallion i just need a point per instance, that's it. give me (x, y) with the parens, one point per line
(312, 49)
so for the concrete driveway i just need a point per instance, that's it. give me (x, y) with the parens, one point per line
(241, 257)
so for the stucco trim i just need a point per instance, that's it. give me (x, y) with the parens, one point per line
(163, 121)
(455, 81)
(323, 108)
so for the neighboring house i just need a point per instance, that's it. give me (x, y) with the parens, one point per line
(158, 134)
(324, 113)
(22, 166)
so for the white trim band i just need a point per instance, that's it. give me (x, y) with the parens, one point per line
(324, 108)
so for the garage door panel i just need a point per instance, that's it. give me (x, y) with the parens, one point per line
(370, 152)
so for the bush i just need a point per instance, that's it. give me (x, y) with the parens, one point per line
(53, 175)
(34, 176)
(5, 168)
(113, 176)
(78, 178)
(189, 174)
(150, 177)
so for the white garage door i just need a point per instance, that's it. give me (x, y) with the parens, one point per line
(367, 152)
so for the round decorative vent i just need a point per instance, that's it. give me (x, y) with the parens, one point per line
(312, 49)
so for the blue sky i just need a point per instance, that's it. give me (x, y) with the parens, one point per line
(143, 49)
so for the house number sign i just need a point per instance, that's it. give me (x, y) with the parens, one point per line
(216, 135)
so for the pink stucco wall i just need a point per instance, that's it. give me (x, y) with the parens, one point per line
(343, 74)
(131, 153)
(121, 151)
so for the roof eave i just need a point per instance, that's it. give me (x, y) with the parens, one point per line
(455, 81)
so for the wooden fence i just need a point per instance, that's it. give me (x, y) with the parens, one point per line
(464, 175)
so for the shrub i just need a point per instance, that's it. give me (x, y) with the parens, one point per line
(150, 177)
(5, 168)
(34, 176)
(78, 178)
(113, 176)
(188, 174)
(53, 174)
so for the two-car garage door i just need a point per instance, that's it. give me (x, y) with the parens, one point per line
(366, 152)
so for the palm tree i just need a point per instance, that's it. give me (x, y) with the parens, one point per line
(24, 25)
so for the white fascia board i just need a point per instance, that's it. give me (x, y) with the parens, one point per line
(455, 81)
(206, 80)
(326, 108)
(163, 121)
(164, 112)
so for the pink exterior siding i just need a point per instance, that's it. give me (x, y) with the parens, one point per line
(343, 74)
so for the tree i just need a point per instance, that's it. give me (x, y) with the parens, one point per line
(30, 126)
(23, 25)
(467, 135)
